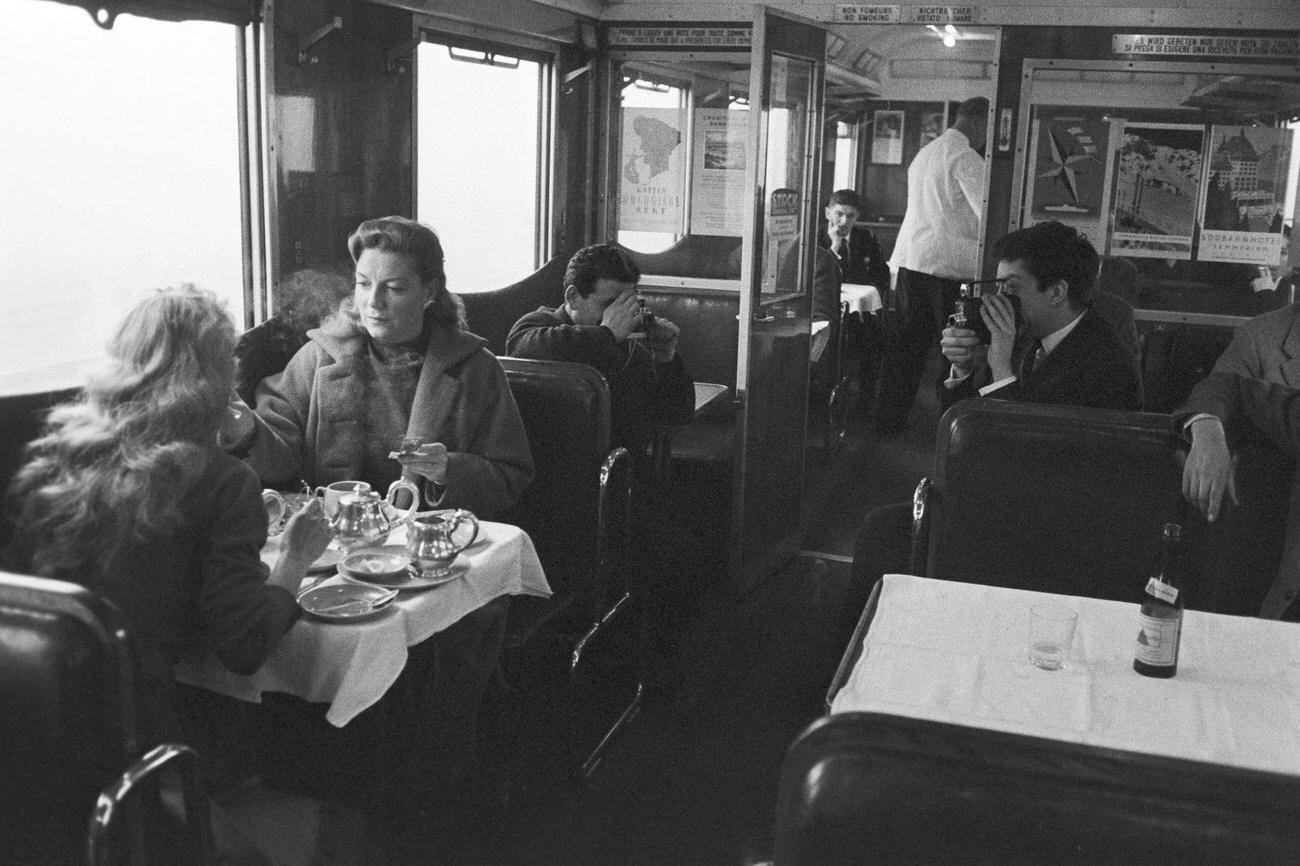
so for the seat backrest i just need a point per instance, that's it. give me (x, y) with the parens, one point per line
(710, 332)
(1118, 313)
(1118, 276)
(66, 714)
(873, 788)
(702, 256)
(1059, 499)
(72, 721)
(492, 314)
(565, 411)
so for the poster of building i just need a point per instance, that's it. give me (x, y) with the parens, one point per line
(718, 173)
(1245, 193)
(1070, 177)
(651, 176)
(887, 137)
(1157, 189)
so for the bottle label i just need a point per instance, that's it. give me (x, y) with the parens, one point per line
(1163, 591)
(1157, 640)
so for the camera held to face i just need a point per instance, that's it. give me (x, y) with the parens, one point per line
(966, 310)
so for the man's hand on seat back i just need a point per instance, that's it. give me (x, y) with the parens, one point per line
(1209, 471)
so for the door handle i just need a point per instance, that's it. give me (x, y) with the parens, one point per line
(763, 320)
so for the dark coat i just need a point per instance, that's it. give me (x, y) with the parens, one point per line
(1089, 368)
(867, 264)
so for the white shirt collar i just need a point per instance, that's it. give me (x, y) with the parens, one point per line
(1052, 340)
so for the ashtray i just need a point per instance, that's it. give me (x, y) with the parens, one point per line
(377, 565)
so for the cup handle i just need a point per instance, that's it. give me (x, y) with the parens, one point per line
(463, 516)
(403, 484)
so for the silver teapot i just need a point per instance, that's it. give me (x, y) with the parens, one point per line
(360, 520)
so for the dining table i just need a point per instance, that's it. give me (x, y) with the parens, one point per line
(958, 653)
(349, 665)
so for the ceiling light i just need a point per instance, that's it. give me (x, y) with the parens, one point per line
(948, 40)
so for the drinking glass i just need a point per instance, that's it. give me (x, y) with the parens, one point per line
(1051, 631)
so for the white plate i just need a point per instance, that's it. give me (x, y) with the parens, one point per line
(345, 602)
(458, 570)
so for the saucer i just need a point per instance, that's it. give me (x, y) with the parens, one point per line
(345, 602)
(410, 580)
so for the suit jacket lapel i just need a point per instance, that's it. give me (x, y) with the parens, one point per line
(1070, 353)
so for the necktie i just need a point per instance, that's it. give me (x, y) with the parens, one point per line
(1033, 355)
(842, 249)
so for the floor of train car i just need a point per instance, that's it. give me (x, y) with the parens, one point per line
(693, 778)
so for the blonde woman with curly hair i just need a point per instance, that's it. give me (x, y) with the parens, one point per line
(128, 494)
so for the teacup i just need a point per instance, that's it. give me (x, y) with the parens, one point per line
(433, 541)
(275, 510)
(332, 493)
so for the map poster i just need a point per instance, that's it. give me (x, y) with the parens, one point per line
(1157, 190)
(887, 137)
(651, 177)
(1245, 193)
(718, 172)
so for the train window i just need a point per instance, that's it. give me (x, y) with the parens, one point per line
(846, 150)
(121, 174)
(482, 110)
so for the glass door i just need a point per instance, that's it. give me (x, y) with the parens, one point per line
(786, 81)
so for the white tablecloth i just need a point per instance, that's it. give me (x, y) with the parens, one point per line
(351, 665)
(957, 653)
(862, 299)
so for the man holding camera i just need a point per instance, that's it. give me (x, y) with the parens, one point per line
(1044, 342)
(603, 325)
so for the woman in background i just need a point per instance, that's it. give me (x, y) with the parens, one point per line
(128, 494)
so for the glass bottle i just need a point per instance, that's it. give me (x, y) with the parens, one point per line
(1160, 622)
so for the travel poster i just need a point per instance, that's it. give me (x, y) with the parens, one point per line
(718, 181)
(1245, 193)
(1157, 190)
(887, 137)
(651, 176)
(1070, 168)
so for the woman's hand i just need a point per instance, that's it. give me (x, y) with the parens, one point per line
(428, 461)
(237, 426)
(307, 533)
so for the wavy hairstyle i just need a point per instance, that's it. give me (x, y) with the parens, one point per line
(112, 467)
(419, 243)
